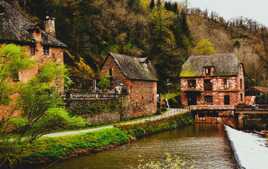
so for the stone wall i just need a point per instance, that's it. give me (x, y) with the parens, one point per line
(102, 118)
(142, 98)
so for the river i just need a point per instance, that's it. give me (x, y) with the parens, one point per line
(201, 146)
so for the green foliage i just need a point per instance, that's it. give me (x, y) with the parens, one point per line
(5, 92)
(18, 122)
(62, 147)
(59, 118)
(150, 127)
(204, 47)
(37, 100)
(50, 72)
(132, 27)
(12, 60)
(104, 82)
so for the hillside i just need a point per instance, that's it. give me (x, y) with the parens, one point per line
(246, 41)
(91, 29)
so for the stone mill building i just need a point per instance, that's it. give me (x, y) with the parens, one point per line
(139, 77)
(212, 85)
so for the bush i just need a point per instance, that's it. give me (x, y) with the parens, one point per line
(104, 83)
(59, 118)
(16, 124)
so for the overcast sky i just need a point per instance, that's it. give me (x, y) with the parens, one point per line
(254, 9)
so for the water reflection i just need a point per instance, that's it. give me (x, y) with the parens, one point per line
(203, 146)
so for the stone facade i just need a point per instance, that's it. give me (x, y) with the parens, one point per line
(222, 91)
(142, 94)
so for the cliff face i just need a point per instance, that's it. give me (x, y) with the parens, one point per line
(249, 45)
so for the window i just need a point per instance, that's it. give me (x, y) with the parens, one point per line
(241, 84)
(32, 50)
(209, 70)
(46, 50)
(110, 72)
(111, 77)
(241, 97)
(226, 83)
(191, 83)
(226, 100)
(209, 99)
(208, 86)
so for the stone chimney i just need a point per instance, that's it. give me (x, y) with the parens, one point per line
(50, 26)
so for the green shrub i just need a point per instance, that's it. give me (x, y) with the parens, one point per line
(104, 82)
(150, 127)
(59, 118)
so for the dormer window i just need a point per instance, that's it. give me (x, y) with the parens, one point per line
(46, 50)
(209, 70)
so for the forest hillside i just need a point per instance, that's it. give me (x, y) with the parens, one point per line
(161, 31)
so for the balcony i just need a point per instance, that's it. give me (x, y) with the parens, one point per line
(211, 107)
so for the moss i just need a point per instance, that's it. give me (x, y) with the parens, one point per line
(188, 73)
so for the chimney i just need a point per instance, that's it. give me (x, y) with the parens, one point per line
(50, 26)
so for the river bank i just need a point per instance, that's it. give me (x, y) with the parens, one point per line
(50, 149)
(200, 146)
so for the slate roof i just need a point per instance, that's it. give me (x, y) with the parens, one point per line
(226, 64)
(16, 28)
(135, 68)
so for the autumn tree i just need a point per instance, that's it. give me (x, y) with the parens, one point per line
(204, 47)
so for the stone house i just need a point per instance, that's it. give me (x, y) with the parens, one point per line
(41, 45)
(139, 77)
(212, 83)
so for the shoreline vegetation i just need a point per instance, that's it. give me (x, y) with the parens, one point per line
(46, 150)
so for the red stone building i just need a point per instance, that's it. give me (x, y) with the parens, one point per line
(139, 77)
(41, 45)
(212, 83)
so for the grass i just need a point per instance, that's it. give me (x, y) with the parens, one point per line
(138, 130)
(50, 149)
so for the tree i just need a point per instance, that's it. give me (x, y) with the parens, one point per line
(104, 83)
(152, 4)
(204, 47)
(37, 101)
